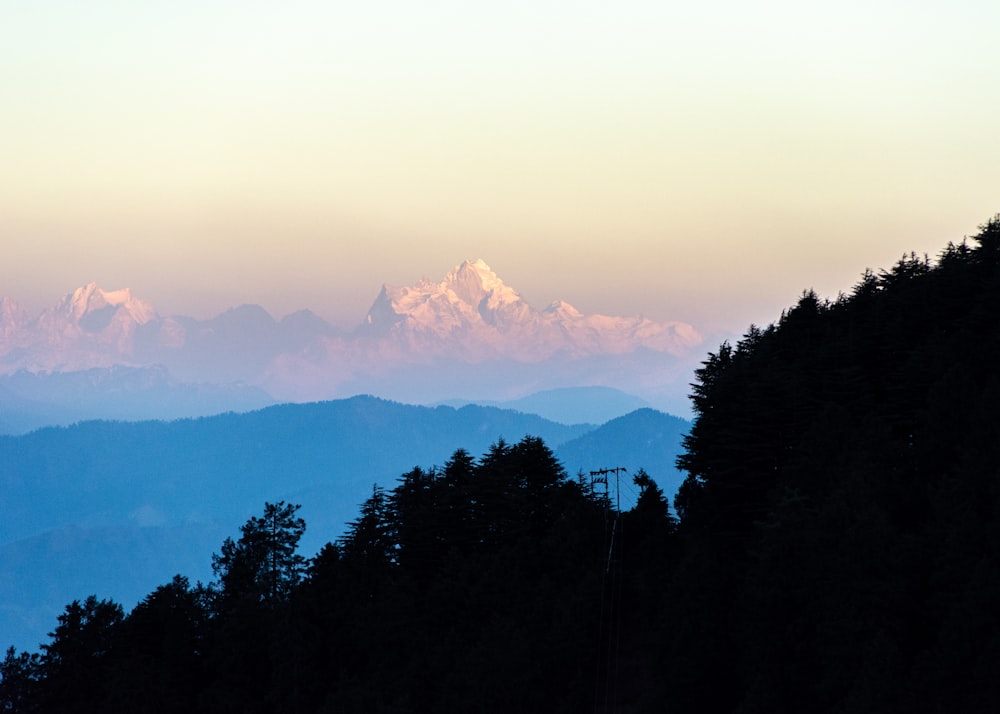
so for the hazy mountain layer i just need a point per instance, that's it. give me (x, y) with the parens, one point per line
(117, 508)
(30, 400)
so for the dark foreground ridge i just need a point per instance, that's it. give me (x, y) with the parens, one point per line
(838, 550)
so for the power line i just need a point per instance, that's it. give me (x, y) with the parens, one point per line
(610, 626)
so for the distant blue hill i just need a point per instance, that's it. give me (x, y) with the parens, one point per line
(117, 508)
(645, 439)
(571, 405)
(32, 400)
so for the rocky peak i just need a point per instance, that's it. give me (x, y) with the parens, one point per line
(90, 304)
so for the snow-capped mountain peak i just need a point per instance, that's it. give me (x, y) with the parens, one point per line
(90, 299)
(470, 294)
(472, 314)
(474, 280)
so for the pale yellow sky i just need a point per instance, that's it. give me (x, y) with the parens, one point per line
(696, 162)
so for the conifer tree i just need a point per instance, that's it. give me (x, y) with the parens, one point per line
(263, 565)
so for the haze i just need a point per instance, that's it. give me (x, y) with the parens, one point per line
(701, 163)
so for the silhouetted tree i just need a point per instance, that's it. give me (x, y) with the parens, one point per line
(371, 539)
(76, 663)
(19, 681)
(263, 564)
(162, 642)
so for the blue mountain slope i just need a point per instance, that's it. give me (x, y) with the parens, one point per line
(145, 491)
(644, 438)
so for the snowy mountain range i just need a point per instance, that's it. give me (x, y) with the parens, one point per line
(469, 335)
(472, 312)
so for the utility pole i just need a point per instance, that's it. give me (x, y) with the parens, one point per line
(610, 636)
(602, 477)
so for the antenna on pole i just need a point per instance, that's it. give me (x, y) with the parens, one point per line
(610, 623)
(601, 476)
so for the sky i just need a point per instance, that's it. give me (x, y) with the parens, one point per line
(704, 162)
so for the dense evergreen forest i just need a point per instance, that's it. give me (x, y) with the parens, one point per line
(836, 549)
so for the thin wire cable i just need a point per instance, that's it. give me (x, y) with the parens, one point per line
(608, 681)
(617, 613)
(600, 677)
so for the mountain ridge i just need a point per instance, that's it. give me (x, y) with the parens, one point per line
(569, 405)
(469, 333)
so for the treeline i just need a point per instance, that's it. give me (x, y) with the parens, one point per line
(490, 584)
(837, 550)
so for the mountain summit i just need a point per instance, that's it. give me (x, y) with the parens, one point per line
(473, 314)
(473, 281)
(87, 328)
(470, 296)
(93, 308)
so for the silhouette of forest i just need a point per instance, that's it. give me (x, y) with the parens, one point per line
(836, 549)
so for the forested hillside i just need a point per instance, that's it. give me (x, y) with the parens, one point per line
(837, 550)
(840, 530)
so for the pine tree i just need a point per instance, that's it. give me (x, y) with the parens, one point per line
(263, 564)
